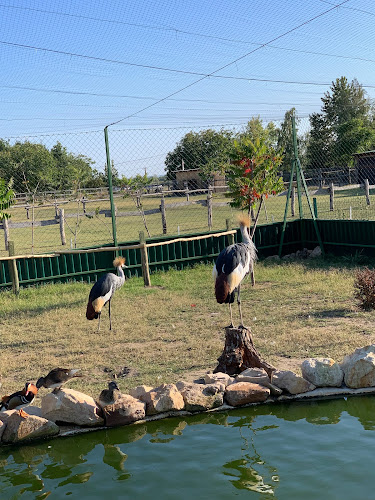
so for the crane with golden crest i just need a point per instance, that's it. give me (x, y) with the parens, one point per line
(233, 264)
(102, 292)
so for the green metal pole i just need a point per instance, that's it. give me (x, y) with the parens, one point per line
(109, 171)
(298, 172)
(286, 207)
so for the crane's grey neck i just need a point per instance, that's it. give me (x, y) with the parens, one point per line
(120, 276)
(245, 234)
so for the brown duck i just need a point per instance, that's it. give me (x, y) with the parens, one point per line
(56, 378)
(109, 396)
(18, 400)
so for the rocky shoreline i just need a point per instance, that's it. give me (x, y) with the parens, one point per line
(68, 412)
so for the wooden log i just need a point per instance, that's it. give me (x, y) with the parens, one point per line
(331, 196)
(163, 216)
(367, 191)
(240, 353)
(186, 191)
(62, 226)
(6, 233)
(144, 259)
(293, 201)
(13, 271)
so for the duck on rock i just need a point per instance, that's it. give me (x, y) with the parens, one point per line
(18, 400)
(56, 378)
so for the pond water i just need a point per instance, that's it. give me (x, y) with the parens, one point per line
(300, 450)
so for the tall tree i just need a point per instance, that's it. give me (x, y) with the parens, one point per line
(206, 150)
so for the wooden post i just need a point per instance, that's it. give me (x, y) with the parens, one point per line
(163, 216)
(293, 201)
(230, 236)
(186, 190)
(84, 204)
(315, 208)
(62, 226)
(6, 233)
(56, 209)
(331, 196)
(209, 209)
(367, 191)
(13, 269)
(27, 208)
(144, 259)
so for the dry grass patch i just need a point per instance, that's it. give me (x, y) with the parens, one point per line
(174, 329)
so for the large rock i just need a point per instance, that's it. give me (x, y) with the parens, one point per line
(199, 397)
(359, 368)
(322, 372)
(124, 411)
(291, 382)
(140, 391)
(219, 377)
(242, 393)
(162, 399)
(72, 407)
(22, 429)
(254, 375)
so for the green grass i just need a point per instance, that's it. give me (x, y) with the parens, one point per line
(174, 330)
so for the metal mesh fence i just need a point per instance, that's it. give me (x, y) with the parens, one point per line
(161, 185)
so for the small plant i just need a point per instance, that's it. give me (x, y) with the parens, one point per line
(364, 288)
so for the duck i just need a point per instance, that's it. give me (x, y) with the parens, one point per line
(56, 378)
(20, 399)
(109, 396)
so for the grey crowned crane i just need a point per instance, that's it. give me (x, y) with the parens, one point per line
(232, 265)
(103, 290)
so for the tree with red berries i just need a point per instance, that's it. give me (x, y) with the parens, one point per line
(253, 174)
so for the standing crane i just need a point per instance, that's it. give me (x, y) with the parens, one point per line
(232, 265)
(103, 290)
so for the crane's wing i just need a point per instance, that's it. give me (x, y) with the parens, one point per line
(102, 287)
(232, 257)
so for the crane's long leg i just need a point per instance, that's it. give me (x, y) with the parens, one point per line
(109, 312)
(239, 304)
(99, 314)
(231, 318)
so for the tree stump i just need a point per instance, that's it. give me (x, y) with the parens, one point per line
(240, 353)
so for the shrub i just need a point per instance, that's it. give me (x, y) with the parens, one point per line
(364, 288)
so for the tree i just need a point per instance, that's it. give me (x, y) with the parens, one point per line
(344, 126)
(253, 174)
(7, 198)
(285, 140)
(206, 150)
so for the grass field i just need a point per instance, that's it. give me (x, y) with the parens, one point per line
(174, 330)
(97, 230)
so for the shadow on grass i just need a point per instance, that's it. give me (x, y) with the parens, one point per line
(37, 310)
(329, 313)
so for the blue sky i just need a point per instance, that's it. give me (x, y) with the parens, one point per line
(71, 67)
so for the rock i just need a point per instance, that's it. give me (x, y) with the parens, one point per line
(22, 429)
(72, 407)
(317, 252)
(288, 380)
(2, 428)
(359, 368)
(253, 375)
(30, 410)
(162, 399)
(272, 258)
(199, 397)
(322, 372)
(213, 378)
(140, 391)
(275, 391)
(125, 411)
(242, 393)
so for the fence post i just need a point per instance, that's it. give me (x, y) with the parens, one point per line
(293, 201)
(163, 216)
(144, 259)
(62, 226)
(6, 233)
(331, 196)
(367, 191)
(186, 190)
(230, 236)
(315, 208)
(13, 269)
(209, 209)
(109, 173)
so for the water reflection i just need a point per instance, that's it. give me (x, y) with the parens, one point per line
(62, 464)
